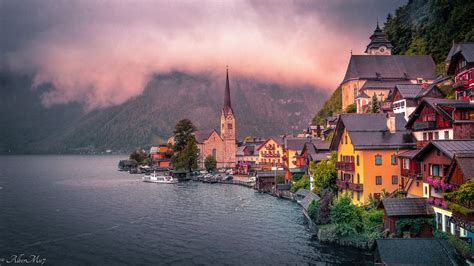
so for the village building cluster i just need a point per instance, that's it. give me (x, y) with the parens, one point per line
(418, 145)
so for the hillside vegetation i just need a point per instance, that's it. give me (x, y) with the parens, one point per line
(421, 27)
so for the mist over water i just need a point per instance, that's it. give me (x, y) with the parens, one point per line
(77, 210)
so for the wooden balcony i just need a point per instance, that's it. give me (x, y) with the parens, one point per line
(411, 173)
(461, 84)
(426, 125)
(271, 155)
(347, 184)
(345, 166)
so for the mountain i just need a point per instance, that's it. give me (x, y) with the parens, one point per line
(421, 27)
(261, 109)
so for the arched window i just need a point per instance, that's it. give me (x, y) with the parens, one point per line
(214, 152)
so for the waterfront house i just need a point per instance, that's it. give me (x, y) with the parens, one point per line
(271, 153)
(445, 165)
(266, 180)
(415, 251)
(161, 156)
(405, 98)
(247, 157)
(460, 61)
(292, 149)
(396, 209)
(378, 72)
(442, 119)
(313, 151)
(300, 194)
(367, 146)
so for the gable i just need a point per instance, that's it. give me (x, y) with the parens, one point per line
(214, 137)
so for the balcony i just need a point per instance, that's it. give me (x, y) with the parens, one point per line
(347, 184)
(271, 155)
(356, 187)
(411, 173)
(461, 84)
(427, 125)
(345, 166)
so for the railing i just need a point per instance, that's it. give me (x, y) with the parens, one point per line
(347, 184)
(461, 84)
(411, 173)
(271, 155)
(345, 166)
(424, 125)
(356, 187)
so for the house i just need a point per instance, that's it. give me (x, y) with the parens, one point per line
(222, 146)
(271, 153)
(460, 62)
(266, 180)
(247, 155)
(405, 98)
(410, 172)
(367, 146)
(293, 147)
(300, 194)
(415, 251)
(313, 151)
(161, 156)
(396, 209)
(440, 176)
(378, 72)
(442, 119)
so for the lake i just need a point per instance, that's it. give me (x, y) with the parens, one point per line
(79, 210)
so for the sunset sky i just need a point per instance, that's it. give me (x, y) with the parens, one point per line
(103, 52)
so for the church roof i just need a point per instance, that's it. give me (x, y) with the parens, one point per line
(390, 67)
(202, 136)
(227, 109)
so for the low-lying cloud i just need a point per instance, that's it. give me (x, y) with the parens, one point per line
(103, 53)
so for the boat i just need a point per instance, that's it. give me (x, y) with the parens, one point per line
(159, 178)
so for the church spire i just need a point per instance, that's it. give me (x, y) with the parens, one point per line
(227, 104)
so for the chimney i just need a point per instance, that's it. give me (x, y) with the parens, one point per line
(391, 123)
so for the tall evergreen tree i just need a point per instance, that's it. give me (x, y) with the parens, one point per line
(183, 132)
(185, 146)
(375, 104)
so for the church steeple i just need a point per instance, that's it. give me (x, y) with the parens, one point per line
(379, 43)
(227, 108)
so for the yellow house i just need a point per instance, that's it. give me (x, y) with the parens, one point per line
(270, 153)
(368, 146)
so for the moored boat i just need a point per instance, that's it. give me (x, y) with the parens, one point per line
(159, 178)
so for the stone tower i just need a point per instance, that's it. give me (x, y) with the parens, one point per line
(379, 43)
(228, 127)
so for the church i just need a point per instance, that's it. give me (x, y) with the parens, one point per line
(377, 72)
(222, 146)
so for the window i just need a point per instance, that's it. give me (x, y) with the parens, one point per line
(357, 160)
(214, 152)
(406, 163)
(439, 220)
(446, 134)
(358, 195)
(358, 179)
(378, 159)
(345, 137)
(394, 159)
(426, 190)
(457, 230)
(447, 224)
(229, 126)
(436, 135)
(425, 136)
(394, 180)
(435, 170)
(378, 180)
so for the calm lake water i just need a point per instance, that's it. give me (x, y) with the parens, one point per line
(79, 210)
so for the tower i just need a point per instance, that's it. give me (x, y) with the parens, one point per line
(379, 43)
(228, 127)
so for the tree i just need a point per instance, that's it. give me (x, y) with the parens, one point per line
(139, 156)
(351, 108)
(302, 183)
(210, 163)
(346, 216)
(187, 158)
(183, 132)
(323, 213)
(318, 130)
(375, 104)
(324, 174)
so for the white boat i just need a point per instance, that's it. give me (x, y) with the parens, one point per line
(159, 178)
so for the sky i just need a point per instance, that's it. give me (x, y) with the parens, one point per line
(102, 53)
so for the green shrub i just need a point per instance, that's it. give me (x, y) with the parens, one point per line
(466, 250)
(302, 183)
(346, 216)
(373, 220)
(312, 209)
